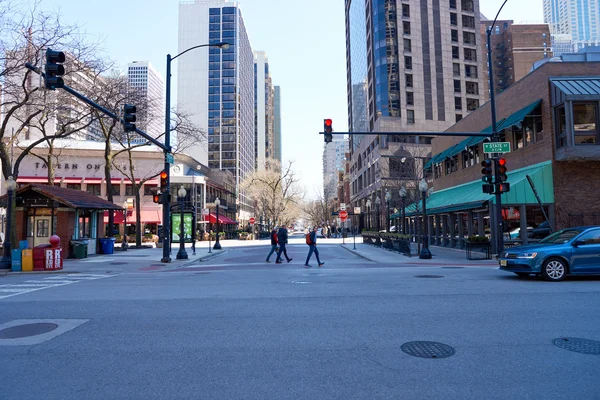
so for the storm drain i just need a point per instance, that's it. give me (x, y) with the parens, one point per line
(27, 330)
(584, 346)
(424, 349)
(429, 276)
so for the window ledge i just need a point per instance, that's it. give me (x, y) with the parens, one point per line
(578, 152)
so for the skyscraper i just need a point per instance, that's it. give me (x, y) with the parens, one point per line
(216, 87)
(334, 160)
(412, 66)
(580, 19)
(150, 85)
(264, 94)
(277, 123)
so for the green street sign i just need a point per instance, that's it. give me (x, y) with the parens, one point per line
(170, 159)
(496, 147)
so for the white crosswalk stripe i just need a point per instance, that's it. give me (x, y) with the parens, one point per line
(33, 285)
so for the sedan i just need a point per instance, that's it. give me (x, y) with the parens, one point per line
(571, 251)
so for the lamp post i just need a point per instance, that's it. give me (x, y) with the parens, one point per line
(167, 198)
(124, 244)
(388, 197)
(498, 229)
(369, 214)
(377, 205)
(425, 253)
(6, 261)
(217, 243)
(181, 254)
(402, 193)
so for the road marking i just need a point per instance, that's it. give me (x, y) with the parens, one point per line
(33, 285)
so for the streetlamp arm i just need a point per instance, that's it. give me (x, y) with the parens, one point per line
(494, 23)
(220, 44)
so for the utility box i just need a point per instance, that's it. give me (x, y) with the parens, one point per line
(27, 260)
(16, 259)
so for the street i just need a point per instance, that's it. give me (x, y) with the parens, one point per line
(235, 327)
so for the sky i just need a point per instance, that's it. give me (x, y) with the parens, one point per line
(304, 41)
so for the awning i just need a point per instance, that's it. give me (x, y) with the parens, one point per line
(147, 217)
(223, 219)
(518, 117)
(577, 86)
(470, 196)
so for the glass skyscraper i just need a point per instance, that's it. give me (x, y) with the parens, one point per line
(580, 19)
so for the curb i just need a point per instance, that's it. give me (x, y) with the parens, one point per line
(357, 253)
(204, 257)
(59, 271)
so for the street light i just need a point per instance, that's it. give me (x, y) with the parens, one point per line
(425, 253)
(217, 243)
(388, 197)
(377, 205)
(497, 229)
(167, 197)
(181, 254)
(369, 214)
(124, 244)
(6, 261)
(402, 193)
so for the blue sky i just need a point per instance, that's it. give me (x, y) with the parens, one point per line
(304, 40)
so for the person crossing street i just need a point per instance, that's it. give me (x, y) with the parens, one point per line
(311, 240)
(282, 239)
(273, 243)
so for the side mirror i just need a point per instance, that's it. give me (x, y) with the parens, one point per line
(578, 243)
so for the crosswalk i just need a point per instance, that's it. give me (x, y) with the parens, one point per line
(15, 289)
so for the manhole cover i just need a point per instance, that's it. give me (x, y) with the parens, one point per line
(453, 267)
(21, 331)
(585, 346)
(429, 276)
(425, 349)
(117, 263)
(302, 282)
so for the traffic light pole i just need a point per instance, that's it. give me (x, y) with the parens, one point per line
(167, 194)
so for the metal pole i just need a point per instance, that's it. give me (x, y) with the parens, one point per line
(181, 254)
(6, 262)
(167, 197)
(425, 253)
(403, 216)
(124, 244)
(388, 216)
(217, 243)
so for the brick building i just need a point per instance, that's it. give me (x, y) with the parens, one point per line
(551, 120)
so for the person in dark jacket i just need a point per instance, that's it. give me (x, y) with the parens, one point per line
(282, 239)
(313, 249)
(273, 243)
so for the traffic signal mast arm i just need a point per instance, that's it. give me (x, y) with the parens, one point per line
(104, 110)
(479, 134)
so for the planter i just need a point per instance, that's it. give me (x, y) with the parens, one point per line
(482, 249)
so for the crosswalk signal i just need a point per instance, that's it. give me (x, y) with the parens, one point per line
(503, 187)
(54, 70)
(129, 117)
(327, 129)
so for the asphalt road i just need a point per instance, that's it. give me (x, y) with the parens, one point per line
(234, 327)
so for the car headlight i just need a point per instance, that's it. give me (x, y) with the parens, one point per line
(527, 255)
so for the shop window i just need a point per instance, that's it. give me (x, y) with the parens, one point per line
(74, 186)
(93, 188)
(116, 189)
(150, 190)
(585, 125)
(129, 190)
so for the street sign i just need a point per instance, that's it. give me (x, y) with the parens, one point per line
(170, 159)
(343, 215)
(356, 210)
(205, 211)
(252, 220)
(496, 147)
(343, 206)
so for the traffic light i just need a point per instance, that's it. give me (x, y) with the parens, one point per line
(486, 170)
(328, 128)
(501, 170)
(163, 181)
(54, 69)
(129, 118)
(503, 187)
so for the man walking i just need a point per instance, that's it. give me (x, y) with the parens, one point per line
(311, 240)
(273, 243)
(282, 239)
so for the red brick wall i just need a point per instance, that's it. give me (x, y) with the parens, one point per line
(576, 189)
(64, 229)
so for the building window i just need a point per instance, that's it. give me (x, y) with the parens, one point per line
(469, 38)
(410, 116)
(129, 190)
(453, 19)
(454, 35)
(43, 228)
(456, 69)
(467, 5)
(150, 190)
(410, 99)
(451, 165)
(405, 11)
(456, 86)
(407, 62)
(406, 27)
(472, 104)
(561, 123)
(458, 117)
(470, 55)
(585, 126)
(116, 190)
(455, 52)
(407, 45)
(458, 103)
(472, 87)
(74, 186)
(470, 157)
(470, 71)
(468, 22)
(93, 188)
(453, 4)
(409, 80)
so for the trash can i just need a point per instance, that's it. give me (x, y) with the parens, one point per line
(107, 245)
(27, 260)
(16, 259)
(80, 248)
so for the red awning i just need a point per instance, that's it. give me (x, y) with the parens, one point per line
(148, 217)
(41, 179)
(212, 218)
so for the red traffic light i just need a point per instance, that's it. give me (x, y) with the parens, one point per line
(163, 175)
(156, 198)
(502, 162)
(328, 122)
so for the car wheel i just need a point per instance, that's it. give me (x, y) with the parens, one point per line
(554, 269)
(522, 274)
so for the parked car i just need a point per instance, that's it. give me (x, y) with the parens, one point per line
(541, 231)
(571, 251)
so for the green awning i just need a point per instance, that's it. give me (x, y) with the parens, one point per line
(518, 117)
(469, 196)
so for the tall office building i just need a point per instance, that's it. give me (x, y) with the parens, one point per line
(264, 94)
(216, 87)
(277, 123)
(150, 85)
(412, 66)
(334, 160)
(580, 19)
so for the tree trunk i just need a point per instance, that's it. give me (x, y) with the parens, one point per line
(109, 194)
(138, 215)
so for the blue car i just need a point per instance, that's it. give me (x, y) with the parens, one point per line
(571, 251)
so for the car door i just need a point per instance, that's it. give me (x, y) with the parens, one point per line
(586, 252)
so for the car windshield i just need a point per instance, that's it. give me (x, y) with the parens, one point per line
(561, 236)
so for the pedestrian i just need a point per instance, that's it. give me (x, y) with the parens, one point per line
(311, 241)
(325, 232)
(282, 239)
(273, 243)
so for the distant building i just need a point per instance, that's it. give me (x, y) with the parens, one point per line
(264, 120)
(277, 123)
(216, 87)
(580, 20)
(151, 115)
(334, 160)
